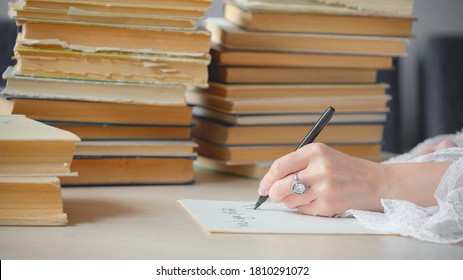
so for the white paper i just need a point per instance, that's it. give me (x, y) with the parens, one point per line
(217, 216)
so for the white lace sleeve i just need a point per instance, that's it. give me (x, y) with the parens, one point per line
(442, 223)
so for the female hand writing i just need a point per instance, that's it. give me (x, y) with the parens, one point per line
(339, 182)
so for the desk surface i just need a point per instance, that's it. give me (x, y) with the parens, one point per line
(147, 223)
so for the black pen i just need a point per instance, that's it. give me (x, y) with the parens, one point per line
(309, 138)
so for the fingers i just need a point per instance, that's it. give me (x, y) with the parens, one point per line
(430, 148)
(281, 188)
(282, 168)
(281, 191)
(446, 144)
(289, 164)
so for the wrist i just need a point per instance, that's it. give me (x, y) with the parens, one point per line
(414, 182)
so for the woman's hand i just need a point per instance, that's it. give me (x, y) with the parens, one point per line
(430, 148)
(339, 182)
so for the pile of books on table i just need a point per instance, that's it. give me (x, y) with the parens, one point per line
(115, 73)
(32, 157)
(277, 66)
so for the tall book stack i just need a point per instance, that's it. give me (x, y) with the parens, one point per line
(277, 65)
(115, 73)
(32, 156)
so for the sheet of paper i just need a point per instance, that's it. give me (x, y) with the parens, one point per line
(217, 216)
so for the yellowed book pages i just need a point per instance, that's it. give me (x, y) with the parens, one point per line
(231, 57)
(131, 170)
(98, 131)
(119, 67)
(98, 91)
(91, 38)
(353, 7)
(251, 91)
(290, 75)
(223, 134)
(97, 112)
(367, 103)
(23, 15)
(138, 148)
(287, 118)
(317, 22)
(31, 201)
(184, 9)
(230, 36)
(31, 148)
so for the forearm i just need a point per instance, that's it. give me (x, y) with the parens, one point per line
(414, 182)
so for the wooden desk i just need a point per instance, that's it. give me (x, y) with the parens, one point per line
(147, 223)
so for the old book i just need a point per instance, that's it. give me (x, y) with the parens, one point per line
(32, 201)
(318, 22)
(176, 8)
(133, 163)
(23, 14)
(91, 38)
(96, 112)
(366, 103)
(233, 57)
(95, 131)
(289, 75)
(223, 134)
(177, 148)
(353, 7)
(241, 154)
(287, 118)
(31, 148)
(111, 66)
(233, 37)
(294, 90)
(85, 90)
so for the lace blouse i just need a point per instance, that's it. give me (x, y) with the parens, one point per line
(442, 223)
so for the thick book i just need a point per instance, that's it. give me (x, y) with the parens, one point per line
(96, 112)
(111, 66)
(290, 75)
(175, 8)
(287, 118)
(31, 148)
(98, 131)
(23, 14)
(366, 103)
(111, 163)
(243, 154)
(231, 36)
(353, 7)
(224, 134)
(294, 90)
(90, 38)
(86, 90)
(31, 201)
(233, 57)
(318, 22)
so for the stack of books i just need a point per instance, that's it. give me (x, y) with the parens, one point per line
(32, 156)
(277, 66)
(115, 73)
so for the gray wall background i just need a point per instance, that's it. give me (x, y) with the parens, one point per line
(435, 17)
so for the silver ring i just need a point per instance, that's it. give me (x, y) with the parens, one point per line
(299, 187)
